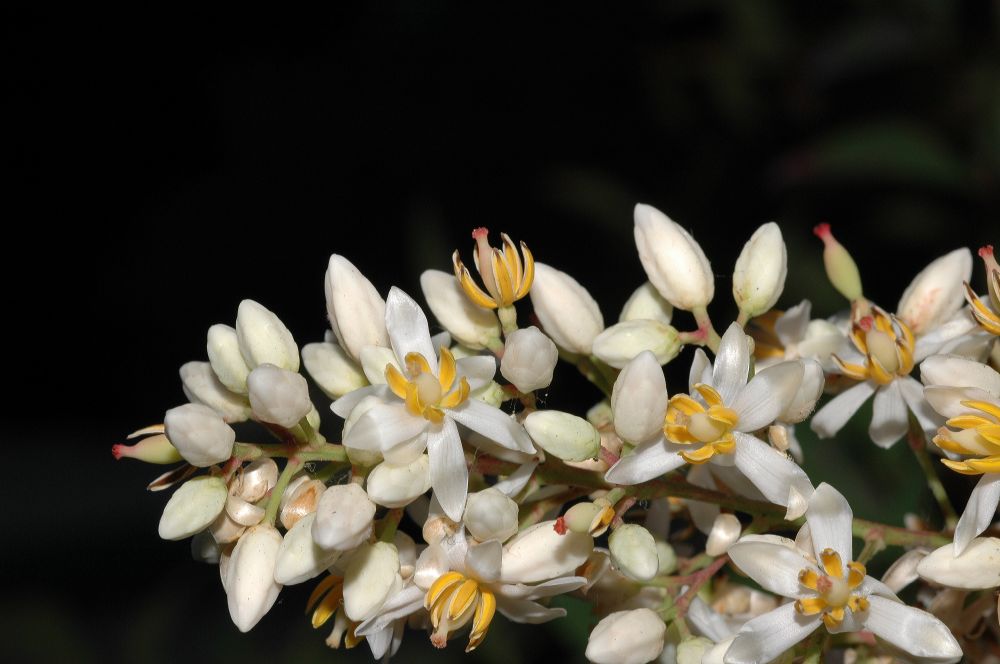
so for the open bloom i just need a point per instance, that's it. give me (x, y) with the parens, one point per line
(830, 589)
(505, 275)
(714, 424)
(422, 403)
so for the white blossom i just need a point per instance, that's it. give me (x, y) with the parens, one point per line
(673, 261)
(568, 313)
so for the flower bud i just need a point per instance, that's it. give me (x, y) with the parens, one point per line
(153, 449)
(633, 551)
(673, 261)
(299, 559)
(903, 571)
(226, 360)
(566, 436)
(639, 399)
(264, 339)
(343, 517)
(645, 303)
(976, 568)
(529, 359)
(810, 390)
(759, 275)
(300, 502)
(371, 577)
(620, 343)
(692, 649)
(278, 396)
(568, 313)
(194, 506)
(255, 480)
(250, 584)
(841, 269)
(539, 553)
(357, 456)
(627, 637)
(470, 324)
(666, 558)
(398, 485)
(356, 310)
(204, 548)
(937, 292)
(725, 532)
(200, 434)
(202, 386)
(490, 515)
(590, 518)
(374, 360)
(333, 369)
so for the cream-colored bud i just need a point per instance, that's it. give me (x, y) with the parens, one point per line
(242, 512)
(193, 507)
(639, 399)
(725, 531)
(264, 339)
(568, 313)
(226, 359)
(937, 292)
(200, 434)
(278, 396)
(374, 360)
(250, 585)
(343, 517)
(492, 394)
(759, 275)
(299, 559)
(804, 400)
(359, 457)
(840, 267)
(621, 343)
(201, 385)
(371, 577)
(666, 558)
(692, 649)
(529, 359)
(152, 449)
(467, 322)
(398, 485)
(490, 515)
(302, 501)
(646, 303)
(627, 637)
(600, 414)
(903, 572)
(563, 435)
(590, 518)
(673, 261)
(633, 551)
(356, 310)
(204, 549)
(333, 369)
(539, 553)
(255, 480)
(977, 567)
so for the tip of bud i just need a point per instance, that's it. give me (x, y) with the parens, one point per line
(866, 323)
(560, 526)
(118, 451)
(986, 251)
(480, 232)
(822, 231)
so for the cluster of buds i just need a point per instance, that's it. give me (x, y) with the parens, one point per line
(454, 495)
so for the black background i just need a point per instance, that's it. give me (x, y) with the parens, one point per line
(168, 163)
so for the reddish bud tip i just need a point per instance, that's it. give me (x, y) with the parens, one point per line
(866, 323)
(560, 526)
(118, 451)
(822, 231)
(986, 252)
(480, 232)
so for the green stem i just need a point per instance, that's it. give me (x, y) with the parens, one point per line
(508, 319)
(390, 522)
(293, 466)
(918, 443)
(319, 452)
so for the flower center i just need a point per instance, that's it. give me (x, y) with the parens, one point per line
(709, 431)
(978, 435)
(506, 278)
(834, 590)
(425, 394)
(452, 601)
(887, 344)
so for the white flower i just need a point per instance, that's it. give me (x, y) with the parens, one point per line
(725, 531)
(829, 589)
(645, 303)
(673, 261)
(371, 577)
(529, 358)
(469, 323)
(796, 336)
(278, 396)
(627, 637)
(356, 310)
(199, 433)
(936, 293)
(263, 338)
(639, 399)
(398, 485)
(715, 425)
(421, 408)
(759, 275)
(566, 310)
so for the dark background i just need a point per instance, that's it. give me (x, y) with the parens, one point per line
(167, 164)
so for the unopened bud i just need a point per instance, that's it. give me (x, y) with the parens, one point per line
(333, 369)
(356, 310)
(936, 293)
(153, 449)
(590, 518)
(673, 261)
(357, 456)
(539, 553)
(566, 436)
(639, 399)
(371, 577)
(201, 385)
(633, 551)
(204, 549)
(759, 276)
(622, 342)
(255, 480)
(470, 324)
(200, 434)
(304, 500)
(278, 396)
(974, 569)
(666, 557)
(804, 400)
(250, 585)
(725, 532)
(375, 360)
(299, 559)
(529, 359)
(627, 637)
(841, 269)
(226, 359)
(264, 339)
(646, 303)
(343, 517)
(398, 485)
(490, 515)
(692, 649)
(568, 313)
(194, 506)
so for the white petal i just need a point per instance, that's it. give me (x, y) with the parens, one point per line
(567, 312)
(936, 292)
(470, 324)
(765, 637)
(831, 418)
(773, 473)
(702, 514)
(913, 395)
(889, 416)
(707, 622)
(829, 518)
(514, 483)
(332, 368)
(432, 563)
(551, 588)
(773, 562)
(299, 559)
(483, 560)
(672, 259)
(343, 406)
(959, 372)
(647, 461)
(449, 474)
(526, 611)
(193, 507)
(910, 629)
(791, 326)
(374, 360)
(250, 586)
(701, 370)
(732, 363)
(979, 511)
(947, 400)
(766, 395)
(494, 424)
(539, 553)
(407, 325)
(356, 310)
(392, 485)
(978, 567)
(383, 427)
(379, 642)
(903, 571)
(477, 369)
(409, 600)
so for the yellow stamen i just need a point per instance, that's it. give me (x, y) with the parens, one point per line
(425, 394)
(485, 610)
(506, 275)
(832, 563)
(808, 578)
(440, 586)
(709, 394)
(446, 369)
(810, 606)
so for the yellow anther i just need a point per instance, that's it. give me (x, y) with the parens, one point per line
(977, 435)
(425, 394)
(452, 601)
(831, 563)
(810, 606)
(506, 274)
(887, 344)
(834, 593)
(688, 422)
(485, 610)
(326, 597)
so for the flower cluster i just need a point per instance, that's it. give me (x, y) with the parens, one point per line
(454, 495)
